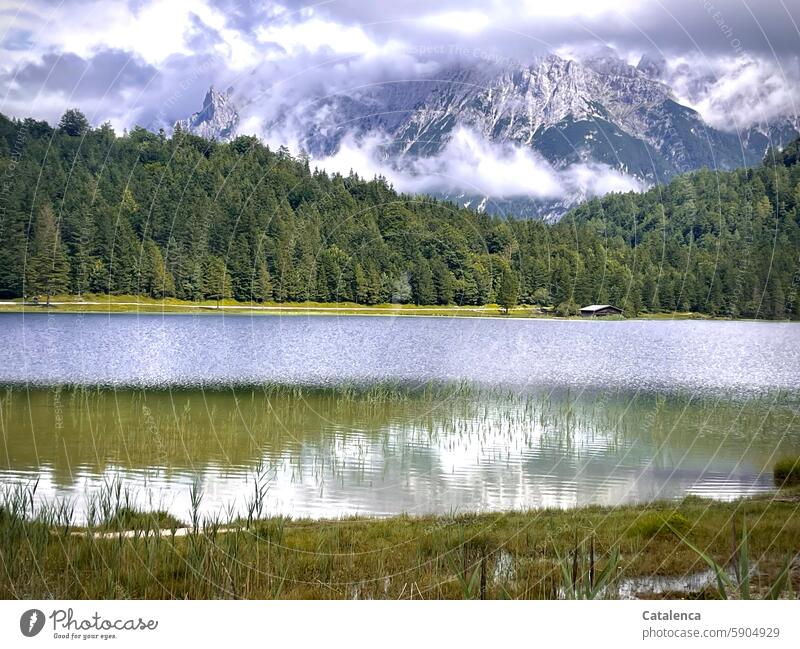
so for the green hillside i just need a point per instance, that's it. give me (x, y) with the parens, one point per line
(86, 211)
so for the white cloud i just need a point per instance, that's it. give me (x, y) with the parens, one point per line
(594, 179)
(315, 34)
(464, 22)
(362, 157)
(733, 94)
(572, 8)
(239, 54)
(470, 165)
(153, 30)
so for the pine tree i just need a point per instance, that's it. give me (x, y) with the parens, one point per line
(262, 284)
(442, 282)
(156, 280)
(216, 279)
(508, 291)
(48, 268)
(360, 284)
(421, 278)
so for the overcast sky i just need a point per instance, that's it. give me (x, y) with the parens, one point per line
(151, 61)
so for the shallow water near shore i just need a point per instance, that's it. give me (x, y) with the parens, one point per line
(386, 416)
(332, 452)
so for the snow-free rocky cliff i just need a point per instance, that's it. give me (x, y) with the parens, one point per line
(600, 110)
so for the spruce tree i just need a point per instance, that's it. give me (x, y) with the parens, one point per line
(48, 265)
(508, 291)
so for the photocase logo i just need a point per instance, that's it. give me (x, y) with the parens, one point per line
(31, 622)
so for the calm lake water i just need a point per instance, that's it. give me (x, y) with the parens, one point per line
(383, 415)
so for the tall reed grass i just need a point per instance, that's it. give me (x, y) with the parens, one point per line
(123, 553)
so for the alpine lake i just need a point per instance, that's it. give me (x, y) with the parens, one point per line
(325, 416)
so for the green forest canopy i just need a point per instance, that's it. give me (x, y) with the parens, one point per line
(85, 211)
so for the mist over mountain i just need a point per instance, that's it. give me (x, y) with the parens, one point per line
(532, 139)
(520, 107)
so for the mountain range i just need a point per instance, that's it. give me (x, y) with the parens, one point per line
(599, 112)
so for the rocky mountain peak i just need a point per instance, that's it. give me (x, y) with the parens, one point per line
(217, 119)
(653, 66)
(597, 110)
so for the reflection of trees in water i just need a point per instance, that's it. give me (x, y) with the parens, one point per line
(136, 429)
(335, 429)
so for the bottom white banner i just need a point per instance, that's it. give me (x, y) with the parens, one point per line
(425, 624)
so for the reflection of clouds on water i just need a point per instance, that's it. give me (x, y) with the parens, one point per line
(380, 493)
(571, 412)
(333, 457)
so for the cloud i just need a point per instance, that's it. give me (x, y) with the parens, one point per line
(143, 62)
(104, 85)
(151, 61)
(734, 94)
(518, 27)
(313, 35)
(108, 73)
(152, 30)
(470, 165)
(17, 39)
(464, 22)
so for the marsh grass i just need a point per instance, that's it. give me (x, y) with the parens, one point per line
(652, 524)
(128, 518)
(107, 547)
(581, 575)
(787, 472)
(542, 554)
(741, 584)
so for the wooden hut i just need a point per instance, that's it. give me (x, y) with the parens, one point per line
(599, 310)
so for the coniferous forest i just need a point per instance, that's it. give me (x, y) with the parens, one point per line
(84, 210)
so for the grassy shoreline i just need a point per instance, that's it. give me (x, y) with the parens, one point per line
(482, 555)
(140, 304)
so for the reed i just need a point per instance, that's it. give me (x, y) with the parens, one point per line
(787, 472)
(740, 584)
(581, 577)
(45, 553)
(111, 545)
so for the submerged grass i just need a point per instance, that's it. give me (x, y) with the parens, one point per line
(183, 428)
(540, 554)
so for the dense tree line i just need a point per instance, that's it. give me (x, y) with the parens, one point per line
(83, 210)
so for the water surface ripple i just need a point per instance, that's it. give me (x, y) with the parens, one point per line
(153, 350)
